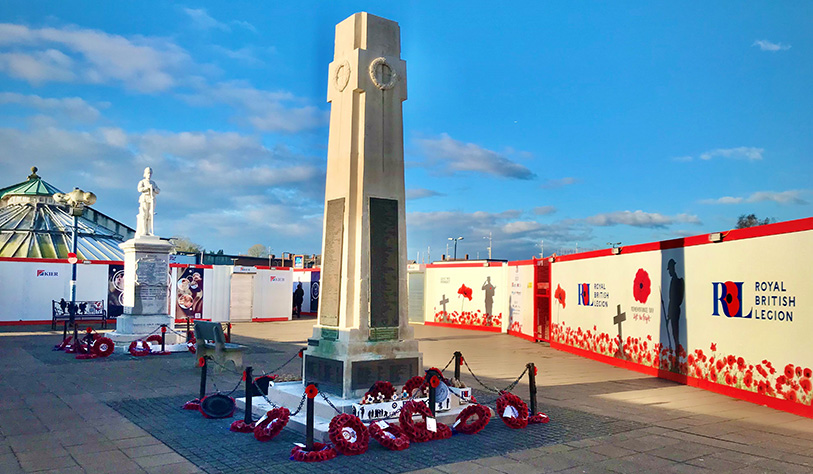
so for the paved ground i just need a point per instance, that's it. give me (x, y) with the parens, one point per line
(122, 415)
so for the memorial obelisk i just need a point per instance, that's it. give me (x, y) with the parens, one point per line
(363, 333)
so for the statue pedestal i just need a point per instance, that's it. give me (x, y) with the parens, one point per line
(146, 292)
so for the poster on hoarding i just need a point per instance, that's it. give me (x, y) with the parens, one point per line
(115, 290)
(190, 293)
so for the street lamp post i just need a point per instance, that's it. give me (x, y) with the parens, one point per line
(455, 239)
(489, 245)
(76, 200)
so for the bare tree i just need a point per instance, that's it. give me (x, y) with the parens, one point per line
(751, 220)
(184, 244)
(257, 250)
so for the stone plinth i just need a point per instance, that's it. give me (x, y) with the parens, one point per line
(146, 291)
(363, 333)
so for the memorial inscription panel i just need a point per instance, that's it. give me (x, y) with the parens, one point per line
(384, 254)
(328, 373)
(395, 371)
(332, 263)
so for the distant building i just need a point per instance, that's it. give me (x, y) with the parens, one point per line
(33, 225)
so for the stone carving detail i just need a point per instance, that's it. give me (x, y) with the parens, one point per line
(342, 75)
(383, 75)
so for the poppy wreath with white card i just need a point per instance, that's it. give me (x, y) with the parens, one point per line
(390, 436)
(512, 410)
(483, 414)
(348, 434)
(416, 432)
(271, 424)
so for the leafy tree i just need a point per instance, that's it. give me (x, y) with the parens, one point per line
(184, 244)
(751, 220)
(257, 250)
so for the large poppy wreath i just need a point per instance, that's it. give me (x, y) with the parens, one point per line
(275, 420)
(390, 436)
(483, 414)
(321, 452)
(516, 415)
(348, 434)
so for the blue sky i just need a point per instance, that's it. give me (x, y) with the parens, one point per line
(569, 124)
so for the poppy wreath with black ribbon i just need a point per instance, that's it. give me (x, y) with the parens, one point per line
(416, 432)
(139, 348)
(538, 418)
(483, 414)
(381, 387)
(416, 382)
(348, 434)
(103, 347)
(321, 452)
(509, 399)
(275, 420)
(392, 437)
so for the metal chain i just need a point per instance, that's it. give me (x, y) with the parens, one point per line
(301, 402)
(448, 364)
(281, 366)
(329, 402)
(515, 382)
(495, 389)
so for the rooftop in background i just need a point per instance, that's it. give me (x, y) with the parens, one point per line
(33, 225)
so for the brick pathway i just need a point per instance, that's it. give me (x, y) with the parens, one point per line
(120, 414)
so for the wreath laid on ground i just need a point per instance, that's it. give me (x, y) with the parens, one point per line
(443, 432)
(483, 414)
(381, 388)
(390, 436)
(348, 434)
(518, 412)
(275, 420)
(240, 426)
(416, 432)
(321, 452)
(154, 338)
(103, 347)
(191, 345)
(139, 348)
(538, 418)
(192, 405)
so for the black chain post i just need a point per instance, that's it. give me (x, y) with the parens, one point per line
(309, 424)
(432, 401)
(187, 329)
(457, 357)
(203, 378)
(163, 337)
(249, 391)
(532, 386)
(65, 330)
(228, 332)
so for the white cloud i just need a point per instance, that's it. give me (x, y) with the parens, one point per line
(558, 183)
(765, 45)
(420, 193)
(640, 219)
(683, 159)
(544, 210)
(203, 20)
(781, 197)
(740, 153)
(453, 156)
(73, 54)
(74, 107)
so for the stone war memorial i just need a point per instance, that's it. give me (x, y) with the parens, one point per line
(363, 334)
(146, 270)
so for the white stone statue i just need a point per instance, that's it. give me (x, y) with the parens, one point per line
(146, 204)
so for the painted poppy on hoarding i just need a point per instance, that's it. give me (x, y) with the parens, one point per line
(560, 295)
(642, 286)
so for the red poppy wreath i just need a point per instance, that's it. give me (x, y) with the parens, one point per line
(416, 432)
(348, 434)
(483, 414)
(390, 436)
(275, 420)
(517, 413)
(103, 346)
(321, 452)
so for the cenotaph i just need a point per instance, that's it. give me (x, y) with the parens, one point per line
(146, 276)
(363, 333)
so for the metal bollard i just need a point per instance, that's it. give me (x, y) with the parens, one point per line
(203, 378)
(458, 359)
(163, 337)
(309, 425)
(228, 333)
(432, 398)
(249, 390)
(532, 386)
(187, 329)
(65, 331)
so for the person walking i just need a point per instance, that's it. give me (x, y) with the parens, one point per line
(299, 296)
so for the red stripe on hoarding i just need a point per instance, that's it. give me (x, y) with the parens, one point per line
(522, 262)
(188, 265)
(480, 264)
(32, 322)
(521, 335)
(266, 267)
(59, 260)
(463, 326)
(748, 396)
(268, 320)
